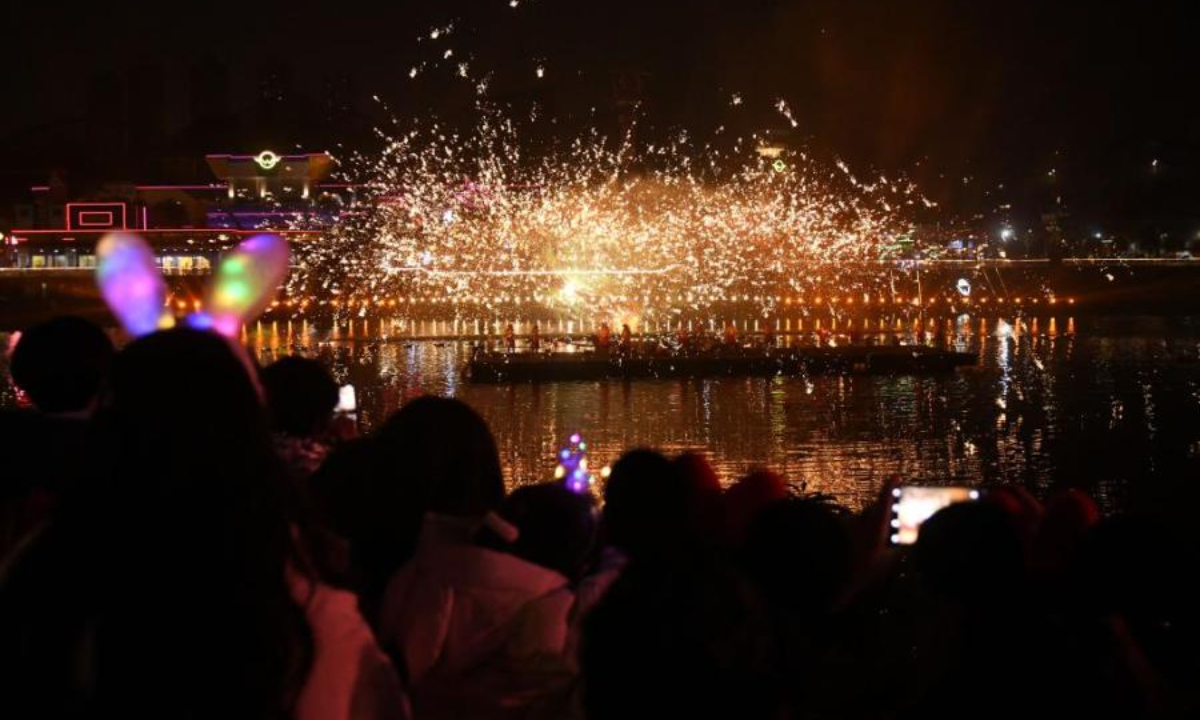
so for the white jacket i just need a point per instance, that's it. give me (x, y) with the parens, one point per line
(482, 633)
(350, 677)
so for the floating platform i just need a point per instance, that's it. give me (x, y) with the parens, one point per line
(895, 360)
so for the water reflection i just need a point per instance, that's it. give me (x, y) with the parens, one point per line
(1109, 404)
(1114, 407)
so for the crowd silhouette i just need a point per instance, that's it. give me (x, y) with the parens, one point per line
(233, 550)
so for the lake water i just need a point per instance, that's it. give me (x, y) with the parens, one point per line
(1111, 404)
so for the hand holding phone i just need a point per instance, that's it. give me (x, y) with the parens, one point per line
(913, 505)
(347, 400)
(345, 415)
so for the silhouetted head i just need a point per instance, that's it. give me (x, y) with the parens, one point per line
(698, 472)
(60, 364)
(433, 455)
(696, 469)
(650, 509)
(745, 499)
(1067, 519)
(338, 488)
(971, 553)
(798, 552)
(556, 527)
(445, 448)
(187, 534)
(686, 640)
(1022, 507)
(301, 396)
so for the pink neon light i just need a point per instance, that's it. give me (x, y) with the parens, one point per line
(107, 206)
(180, 187)
(196, 231)
(84, 221)
(40, 188)
(145, 218)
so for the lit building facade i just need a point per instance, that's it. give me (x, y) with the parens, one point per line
(188, 226)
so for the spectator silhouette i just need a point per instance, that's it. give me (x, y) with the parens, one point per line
(301, 397)
(680, 640)
(170, 583)
(652, 511)
(481, 633)
(436, 467)
(556, 528)
(59, 366)
(745, 499)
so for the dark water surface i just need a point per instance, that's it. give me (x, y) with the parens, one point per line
(1111, 404)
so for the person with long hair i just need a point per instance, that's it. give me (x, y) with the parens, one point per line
(172, 584)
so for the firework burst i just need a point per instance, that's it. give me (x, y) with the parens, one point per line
(487, 220)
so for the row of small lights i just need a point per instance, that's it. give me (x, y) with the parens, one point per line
(784, 301)
(350, 304)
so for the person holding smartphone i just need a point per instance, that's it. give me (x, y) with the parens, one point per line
(309, 412)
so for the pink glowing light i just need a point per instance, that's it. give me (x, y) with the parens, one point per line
(131, 284)
(95, 219)
(74, 220)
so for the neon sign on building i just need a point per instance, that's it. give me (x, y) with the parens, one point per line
(267, 160)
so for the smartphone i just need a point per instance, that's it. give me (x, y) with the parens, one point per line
(347, 400)
(913, 505)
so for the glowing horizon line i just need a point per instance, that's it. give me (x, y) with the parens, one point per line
(536, 273)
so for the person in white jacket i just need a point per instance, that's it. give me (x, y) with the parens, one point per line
(482, 633)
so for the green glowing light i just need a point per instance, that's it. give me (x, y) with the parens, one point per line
(234, 292)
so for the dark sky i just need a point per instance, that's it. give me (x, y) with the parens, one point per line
(964, 96)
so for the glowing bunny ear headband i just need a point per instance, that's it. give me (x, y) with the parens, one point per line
(244, 283)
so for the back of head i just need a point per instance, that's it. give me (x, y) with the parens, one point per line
(745, 499)
(971, 553)
(184, 394)
(61, 364)
(338, 488)
(798, 552)
(433, 455)
(378, 539)
(301, 395)
(649, 508)
(696, 469)
(557, 527)
(187, 534)
(1067, 519)
(705, 491)
(444, 450)
(1023, 509)
(685, 640)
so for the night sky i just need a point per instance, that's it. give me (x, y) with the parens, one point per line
(977, 101)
